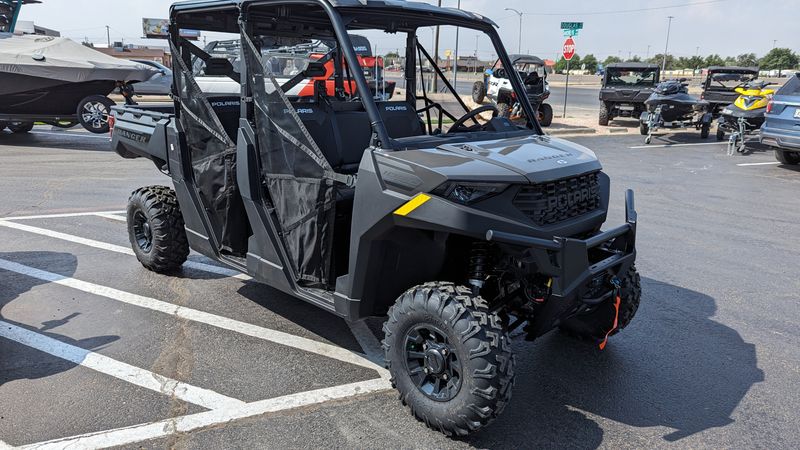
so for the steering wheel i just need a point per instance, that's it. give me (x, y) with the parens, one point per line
(459, 124)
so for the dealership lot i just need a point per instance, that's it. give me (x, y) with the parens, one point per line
(96, 350)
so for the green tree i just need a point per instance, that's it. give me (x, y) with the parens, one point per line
(714, 60)
(591, 63)
(574, 63)
(747, 59)
(611, 60)
(780, 59)
(659, 58)
(635, 58)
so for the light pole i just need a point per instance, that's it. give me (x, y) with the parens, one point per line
(436, 55)
(774, 43)
(519, 45)
(666, 46)
(455, 58)
(648, 52)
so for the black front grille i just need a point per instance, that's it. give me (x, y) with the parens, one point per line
(559, 200)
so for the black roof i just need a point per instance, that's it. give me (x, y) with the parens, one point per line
(733, 69)
(633, 65)
(454, 13)
(530, 59)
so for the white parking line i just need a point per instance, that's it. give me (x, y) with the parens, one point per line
(677, 145)
(125, 372)
(112, 217)
(770, 163)
(61, 215)
(278, 337)
(184, 424)
(73, 134)
(117, 248)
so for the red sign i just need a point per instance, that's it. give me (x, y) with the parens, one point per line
(569, 49)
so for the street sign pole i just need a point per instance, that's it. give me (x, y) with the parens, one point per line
(566, 91)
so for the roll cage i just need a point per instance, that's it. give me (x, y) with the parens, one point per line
(392, 17)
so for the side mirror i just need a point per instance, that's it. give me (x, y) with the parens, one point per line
(162, 71)
(315, 69)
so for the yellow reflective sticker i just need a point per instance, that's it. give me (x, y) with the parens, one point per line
(412, 204)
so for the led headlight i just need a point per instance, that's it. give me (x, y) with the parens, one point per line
(467, 193)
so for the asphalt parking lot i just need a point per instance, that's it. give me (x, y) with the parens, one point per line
(96, 350)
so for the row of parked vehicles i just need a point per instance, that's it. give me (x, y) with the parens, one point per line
(734, 97)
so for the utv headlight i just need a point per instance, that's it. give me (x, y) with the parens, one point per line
(467, 193)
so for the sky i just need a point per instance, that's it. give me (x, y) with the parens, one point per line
(725, 27)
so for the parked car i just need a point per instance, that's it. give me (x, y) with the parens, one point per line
(781, 128)
(159, 84)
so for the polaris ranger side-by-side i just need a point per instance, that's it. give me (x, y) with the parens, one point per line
(459, 233)
(625, 87)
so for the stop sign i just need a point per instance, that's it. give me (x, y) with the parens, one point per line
(569, 49)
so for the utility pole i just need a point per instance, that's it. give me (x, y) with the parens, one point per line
(774, 43)
(435, 84)
(455, 58)
(519, 45)
(477, 37)
(108, 35)
(666, 46)
(648, 52)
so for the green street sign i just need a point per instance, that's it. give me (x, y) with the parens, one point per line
(571, 25)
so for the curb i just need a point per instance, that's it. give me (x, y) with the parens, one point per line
(579, 130)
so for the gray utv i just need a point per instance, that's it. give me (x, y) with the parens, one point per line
(459, 234)
(625, 88)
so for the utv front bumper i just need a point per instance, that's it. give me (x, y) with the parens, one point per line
(578, 266)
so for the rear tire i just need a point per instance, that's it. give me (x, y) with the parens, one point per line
(643, 129)
(705, 129)
(20, 127)
(547, 115)
(604, 116)
(156, 230)
(720, 134)
(478, 92)
(503, 110)
(93, 112)
(790, 158)
(594, 325)
(464, 339)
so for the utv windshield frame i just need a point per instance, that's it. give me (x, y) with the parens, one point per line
(346, 16)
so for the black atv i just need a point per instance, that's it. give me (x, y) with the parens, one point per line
(625, 88)
(460, 228)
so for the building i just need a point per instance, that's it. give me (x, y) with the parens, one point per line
(28, 27)
(158, 55)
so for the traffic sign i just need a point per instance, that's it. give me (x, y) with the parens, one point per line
(571, 25)
(569, 49)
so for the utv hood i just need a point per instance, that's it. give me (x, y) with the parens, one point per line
(537, 158)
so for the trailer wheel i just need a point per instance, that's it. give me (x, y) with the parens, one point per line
(789, 158)
(20, 127)
(546, 112)
(643, 128)
(449, 357)
(156, 229)
(705, 129)
(478, 92)
(604, 116)
(720, 133)
(595, 323)
(93, 113)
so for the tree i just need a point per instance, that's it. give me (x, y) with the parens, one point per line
(747, 59)
(591, 63)
(611, 60)
(635, 58)
(780, 59)
(574, 63)
(659, 58)
(714, 60)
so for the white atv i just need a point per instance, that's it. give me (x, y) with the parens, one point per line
(496, 86)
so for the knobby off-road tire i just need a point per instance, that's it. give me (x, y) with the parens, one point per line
(705, 129)
(644, 129)
(478, 349)
(478, 92)
(791, 158)
(156, 229)
(604, 116)
(595, 324)
(720, 134)
(547, 115)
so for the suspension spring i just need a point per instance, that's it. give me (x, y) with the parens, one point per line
(478, 263)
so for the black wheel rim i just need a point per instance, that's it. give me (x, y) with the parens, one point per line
(432, 364)
(142, 231)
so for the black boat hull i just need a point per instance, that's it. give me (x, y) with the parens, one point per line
(47, 97)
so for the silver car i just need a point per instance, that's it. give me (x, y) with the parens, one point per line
(158, 84)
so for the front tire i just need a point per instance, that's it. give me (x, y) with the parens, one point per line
(789, 158)
(93, 113)
(720, 133)
(156, 230)
(705, 129)
(449, 357)
(594, 324)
